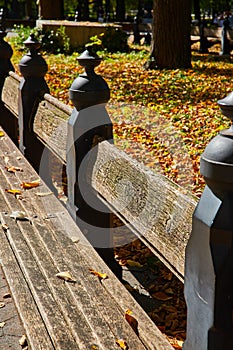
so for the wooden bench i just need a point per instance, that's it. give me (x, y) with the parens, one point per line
(57, 314)
(157, 210)
(86, 314)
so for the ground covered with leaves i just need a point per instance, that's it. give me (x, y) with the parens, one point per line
(163, 118)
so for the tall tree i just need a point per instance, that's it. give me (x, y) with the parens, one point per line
(120, 10)
(196, 9)
(83, 9)
(171, 45)
(47, 10)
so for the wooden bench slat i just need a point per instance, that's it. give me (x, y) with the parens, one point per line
(35, 328)
(54, 288)
(10, 92)
(60, 253)
(37, 242)
(158, 210)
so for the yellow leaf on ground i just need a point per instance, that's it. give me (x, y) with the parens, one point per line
(28, 185)
(66, 276)
(134, 263)
(103, 276)
(122, 344)
(131, 320)
(1, 133)
(2, 305)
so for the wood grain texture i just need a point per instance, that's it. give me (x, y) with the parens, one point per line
(156, 209)
(75, 315)
(10, 92)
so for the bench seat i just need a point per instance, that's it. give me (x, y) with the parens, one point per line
(56, 314)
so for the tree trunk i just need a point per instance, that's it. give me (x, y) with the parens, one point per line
(171, 44)
(197, 11)
(83, 10)
(120, 10)
(47, 9)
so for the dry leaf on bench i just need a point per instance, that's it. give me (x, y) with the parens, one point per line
(5, 227)
(6, 159)
(131, 320)
(13, 169)
(122, 344)
(28, 185)
(103, 276)
(13, 191)
(43, 194)
(66, 276)
(19, 215)
(23, 341)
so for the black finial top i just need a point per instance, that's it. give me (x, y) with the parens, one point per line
(32, 43)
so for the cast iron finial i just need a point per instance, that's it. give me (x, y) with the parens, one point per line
(89, 88)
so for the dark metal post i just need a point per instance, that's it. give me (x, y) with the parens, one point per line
(204, 44)
(209, 253)
(5, 54)
(136, 33)
(31, 91)
(88, 125)
(225, 42)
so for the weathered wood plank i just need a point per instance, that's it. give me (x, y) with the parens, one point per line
(35, 329)
(34, 256)
(51, 125)
(156, 209)
(36, 279)
(10, 92)
(53, 248)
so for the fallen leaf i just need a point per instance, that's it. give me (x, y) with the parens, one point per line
(28, 185)
(103, 276)
(132, 321)
(2, 133)
(23, 341)
(43, 194)
(2, 305)
(6, 159)
(122, 344)
(19, 215)
(133, 263)
(2, 324)
(5, 227)
(66, 276)
(14, 192)
(13, 169)
(6, 295)
(161, 296)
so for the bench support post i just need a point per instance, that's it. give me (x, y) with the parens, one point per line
(225, 42)
(209, 253)
(88, 125)
(31, 91)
